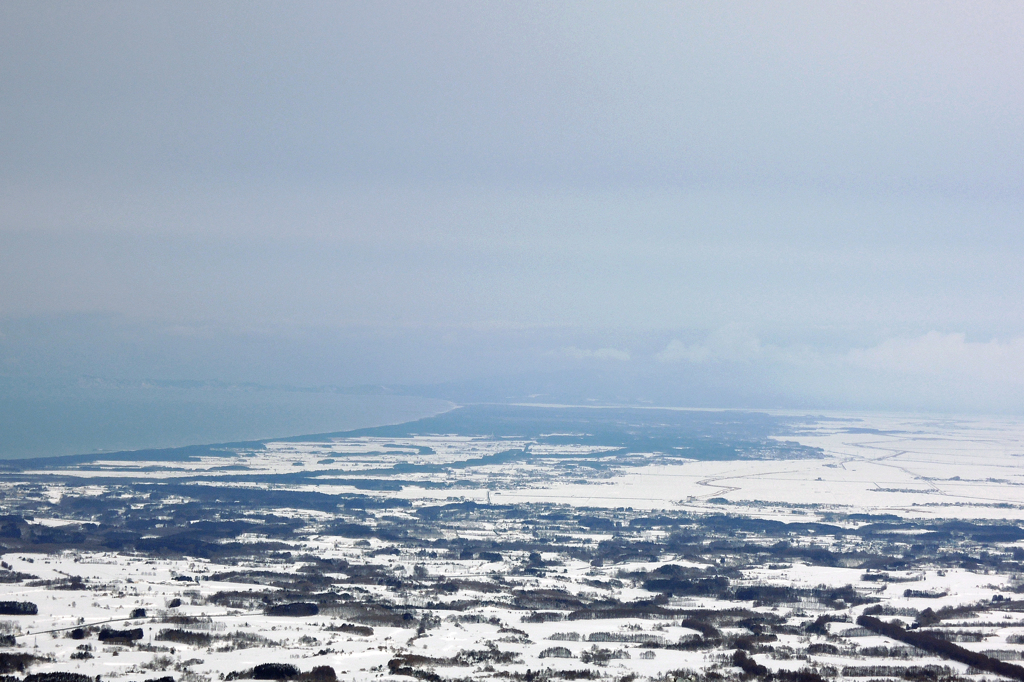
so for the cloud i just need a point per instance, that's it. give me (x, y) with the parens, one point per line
(933, 354)
(731, 344)
(933, 371)
(677, 351)
(936, 353)
(598, 354)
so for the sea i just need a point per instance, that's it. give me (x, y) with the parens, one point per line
(53, 419)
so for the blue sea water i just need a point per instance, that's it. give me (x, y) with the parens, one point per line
(53, 420)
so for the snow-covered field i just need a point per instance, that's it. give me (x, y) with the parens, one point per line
(466, 556)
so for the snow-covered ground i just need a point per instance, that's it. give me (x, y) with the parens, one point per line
(471, 616)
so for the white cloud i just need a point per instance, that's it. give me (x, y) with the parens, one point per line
(731, 343)
(598, 354)
(936, 353)
(932, 371)
(677, 351)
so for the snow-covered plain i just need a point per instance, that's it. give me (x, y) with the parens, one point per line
(444, 555)
(919, 466)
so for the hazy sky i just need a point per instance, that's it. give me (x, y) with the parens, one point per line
(757, 204)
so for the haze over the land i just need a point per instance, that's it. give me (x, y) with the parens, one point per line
(801, 205)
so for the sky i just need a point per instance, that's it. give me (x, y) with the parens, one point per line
(720, 204)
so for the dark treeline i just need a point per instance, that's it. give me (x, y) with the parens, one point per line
(18, 608)
(946, 649)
